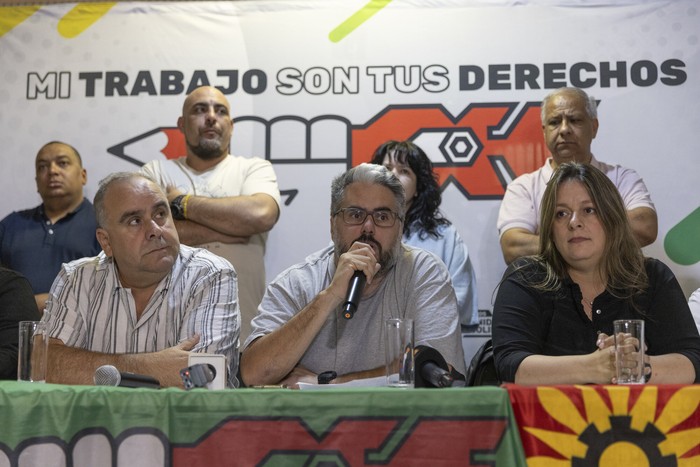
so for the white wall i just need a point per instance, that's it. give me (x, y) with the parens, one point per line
(648, 123)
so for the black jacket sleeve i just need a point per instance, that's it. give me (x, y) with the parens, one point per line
(16, 304)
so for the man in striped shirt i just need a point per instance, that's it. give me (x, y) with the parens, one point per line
(145, 302)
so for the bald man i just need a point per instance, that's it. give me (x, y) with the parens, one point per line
(221, 202)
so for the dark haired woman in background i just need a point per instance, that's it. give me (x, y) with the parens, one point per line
(425, 227)
(554, 312)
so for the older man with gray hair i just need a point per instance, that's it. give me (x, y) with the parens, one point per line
(299, 331)
(146, 301)
(569, 124)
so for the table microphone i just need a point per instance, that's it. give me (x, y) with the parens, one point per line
(432, 370)
(108, 375)
(352, 299)
(198, 376)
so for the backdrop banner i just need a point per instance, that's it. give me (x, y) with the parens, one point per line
(317, 85)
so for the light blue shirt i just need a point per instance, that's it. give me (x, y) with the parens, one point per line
(454, 253)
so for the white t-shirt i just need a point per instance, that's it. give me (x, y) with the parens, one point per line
(520, 207)
(233, 176)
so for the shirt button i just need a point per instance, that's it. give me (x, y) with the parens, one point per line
(50, 231)
(597, 312)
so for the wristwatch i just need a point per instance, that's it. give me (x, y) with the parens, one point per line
(177, 208)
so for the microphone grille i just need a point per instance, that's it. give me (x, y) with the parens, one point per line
(107, 375)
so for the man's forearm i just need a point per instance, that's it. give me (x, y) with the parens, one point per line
(516, 243)
(644, 224)
(68, 365)
(373, 373)
(270, 358)
(240, 216)
(192, 233)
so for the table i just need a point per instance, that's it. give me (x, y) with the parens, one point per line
(57, 425)
(609, 425)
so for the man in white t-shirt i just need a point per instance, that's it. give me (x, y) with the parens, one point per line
(569, 123)
(220, 202)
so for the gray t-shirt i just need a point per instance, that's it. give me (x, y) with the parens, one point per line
(417, 287)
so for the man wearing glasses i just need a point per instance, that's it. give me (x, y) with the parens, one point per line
(299, 331)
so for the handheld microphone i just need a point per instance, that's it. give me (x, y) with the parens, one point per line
(108, 375)
(432, 370)
(352, 299)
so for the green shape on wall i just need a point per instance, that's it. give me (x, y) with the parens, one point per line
(682, 242)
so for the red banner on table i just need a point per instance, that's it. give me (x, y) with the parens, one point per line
(608, 425)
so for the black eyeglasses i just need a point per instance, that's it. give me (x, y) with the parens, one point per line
(357, 216)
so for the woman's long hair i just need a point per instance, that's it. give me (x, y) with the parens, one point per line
(622, 264)
(424, 213)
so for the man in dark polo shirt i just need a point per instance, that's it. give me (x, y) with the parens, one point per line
(35, 242)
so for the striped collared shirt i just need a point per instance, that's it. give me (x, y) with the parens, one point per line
(89, 309)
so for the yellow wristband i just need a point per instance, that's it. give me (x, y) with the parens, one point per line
(184, 205)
